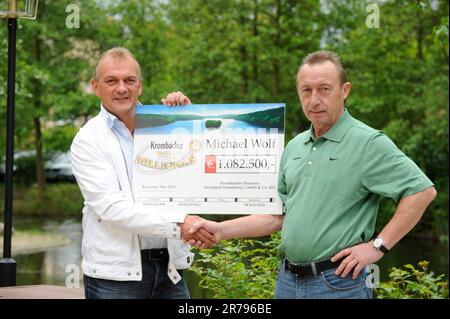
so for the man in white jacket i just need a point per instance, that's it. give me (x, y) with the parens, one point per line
(129, 251)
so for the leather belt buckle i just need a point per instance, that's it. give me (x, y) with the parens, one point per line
(158, 254)
(297, 270)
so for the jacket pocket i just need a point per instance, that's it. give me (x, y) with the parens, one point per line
(110, 242)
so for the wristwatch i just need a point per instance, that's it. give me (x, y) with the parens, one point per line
(379, 244)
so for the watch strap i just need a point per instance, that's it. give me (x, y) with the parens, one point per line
(384, 249)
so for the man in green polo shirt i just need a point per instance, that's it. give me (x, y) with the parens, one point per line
(331, 179)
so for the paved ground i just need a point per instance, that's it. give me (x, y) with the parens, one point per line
(41, 292)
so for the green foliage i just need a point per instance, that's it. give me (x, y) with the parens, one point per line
(244, 51)
(412, 283)
(245, 268)
(213, 123)
(268, 118)
(241, 268)
(399, 77)
(62, 199)
(25, 170)
(441, 32)
(59, 138)
(141, 26)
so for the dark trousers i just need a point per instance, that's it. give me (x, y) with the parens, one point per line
(155, 284)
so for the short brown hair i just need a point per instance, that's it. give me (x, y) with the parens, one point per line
(322, 56)
(118, 53)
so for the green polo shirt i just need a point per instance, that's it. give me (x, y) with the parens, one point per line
(331, 187)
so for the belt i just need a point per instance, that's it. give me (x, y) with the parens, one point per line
(311, 269)
(156, 254)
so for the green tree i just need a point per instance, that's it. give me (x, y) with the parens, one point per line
(52, 60)
(399, 78)
(229, 51)
(144, 31)
(243, 51)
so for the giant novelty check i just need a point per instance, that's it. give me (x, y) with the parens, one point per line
(209, 158)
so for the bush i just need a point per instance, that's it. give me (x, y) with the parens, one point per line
(61, 199)
(59, 138)
(25, 170)
(413, 284)
(241, 268)
(245, 268)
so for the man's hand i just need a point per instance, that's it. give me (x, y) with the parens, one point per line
(176, 98)
(356, 257)
(200, 238)
(210, 226)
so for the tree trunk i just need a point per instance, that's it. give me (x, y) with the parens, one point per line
(419, 53)
(40, 173)
(275, 59)
(243, 51)
(255, 49)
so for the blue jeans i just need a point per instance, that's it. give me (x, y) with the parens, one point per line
(326, 285)
(155, 284)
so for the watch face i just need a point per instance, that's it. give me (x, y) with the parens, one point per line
(378, 242)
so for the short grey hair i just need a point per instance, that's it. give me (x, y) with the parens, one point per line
(118, 53)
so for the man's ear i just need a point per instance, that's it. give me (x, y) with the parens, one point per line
(94, 86)
(140, 88)
(346, 89)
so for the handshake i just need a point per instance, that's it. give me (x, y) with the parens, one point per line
(199, 232)
(202, 233)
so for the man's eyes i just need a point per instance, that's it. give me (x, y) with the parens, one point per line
(321, 90)
(306, 90)
(127, 81)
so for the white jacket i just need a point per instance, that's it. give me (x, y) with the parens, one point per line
(112, 220)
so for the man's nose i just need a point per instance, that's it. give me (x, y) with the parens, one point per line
(121, 87)
(315, 97)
